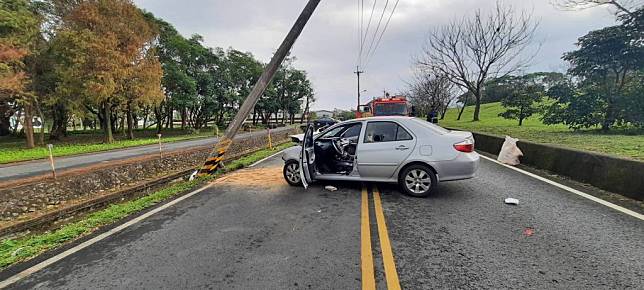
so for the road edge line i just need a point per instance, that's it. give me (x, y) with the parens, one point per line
(269, 157)
(570, 189)
(391, 274)
(46, 263)
(366, 254)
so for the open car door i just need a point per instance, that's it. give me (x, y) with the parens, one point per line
(307, 157)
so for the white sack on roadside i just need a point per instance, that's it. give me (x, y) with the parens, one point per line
(510, 153)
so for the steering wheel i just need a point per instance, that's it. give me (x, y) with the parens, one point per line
(336, 146)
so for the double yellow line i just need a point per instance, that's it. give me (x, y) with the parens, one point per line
(366, 254)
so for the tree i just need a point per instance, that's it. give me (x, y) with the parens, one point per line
(605, 63)
(621, 6)
(573, 106)
(501, 88)
(520, 103)
(472, 50)
(19, 33)
(431, 92)
(143, 87)
(103, 41)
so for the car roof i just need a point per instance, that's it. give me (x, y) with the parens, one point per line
(381, 118)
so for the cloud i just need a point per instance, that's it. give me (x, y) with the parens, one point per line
(328, 47)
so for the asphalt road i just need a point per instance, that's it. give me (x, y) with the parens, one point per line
(252, 231)
(38, 167)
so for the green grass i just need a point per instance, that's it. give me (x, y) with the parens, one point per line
(20, 249)
(628, 143)
(12, 149)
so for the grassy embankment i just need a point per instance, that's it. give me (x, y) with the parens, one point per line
(628, 143)
(12, 149)
(16, 250)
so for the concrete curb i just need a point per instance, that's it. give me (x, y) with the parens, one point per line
(618, 175)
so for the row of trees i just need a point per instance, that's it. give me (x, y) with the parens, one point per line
(107, 63)
(204, 84)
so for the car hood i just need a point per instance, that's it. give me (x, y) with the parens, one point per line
(292, 153)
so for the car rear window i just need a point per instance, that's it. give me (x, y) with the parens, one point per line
(438, 129)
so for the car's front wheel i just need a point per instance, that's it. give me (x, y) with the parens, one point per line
(292, 173)
(417, 180)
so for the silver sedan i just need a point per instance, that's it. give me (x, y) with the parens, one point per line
(405, 150)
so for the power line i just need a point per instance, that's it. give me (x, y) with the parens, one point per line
(382, 34)
(373, 39)
(366, 33)
(360, 28)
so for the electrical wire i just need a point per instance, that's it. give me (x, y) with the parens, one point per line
(366, 32)
(370, 55)
(360, 26)
(375, 33)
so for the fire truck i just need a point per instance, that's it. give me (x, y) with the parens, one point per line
(386, 106)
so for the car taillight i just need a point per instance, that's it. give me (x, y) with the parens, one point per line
(466, 146)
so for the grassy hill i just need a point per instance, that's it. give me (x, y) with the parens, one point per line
(623, 143)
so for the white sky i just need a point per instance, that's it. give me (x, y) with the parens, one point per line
(327, 49)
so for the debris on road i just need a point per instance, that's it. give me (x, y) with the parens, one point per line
(512, 201)
(330, 188)
(528, 232)
(510, 152)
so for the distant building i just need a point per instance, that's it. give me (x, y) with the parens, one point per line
(324, 114)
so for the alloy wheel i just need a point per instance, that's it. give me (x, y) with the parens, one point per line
(293, 173)
(418, 181)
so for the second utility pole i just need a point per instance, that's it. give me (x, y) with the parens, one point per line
(358, 72)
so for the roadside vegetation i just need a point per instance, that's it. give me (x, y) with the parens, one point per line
(15, 250)
(111, 67)
(596, 105)
(622, 142)
(12, 148)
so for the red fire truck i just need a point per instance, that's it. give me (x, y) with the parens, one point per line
(387, 106)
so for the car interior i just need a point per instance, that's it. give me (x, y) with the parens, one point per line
(335, 150)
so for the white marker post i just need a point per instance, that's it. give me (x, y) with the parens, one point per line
(160, 150)
(51, 160)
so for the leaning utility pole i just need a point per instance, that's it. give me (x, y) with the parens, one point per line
(358, 72)
(214, 160)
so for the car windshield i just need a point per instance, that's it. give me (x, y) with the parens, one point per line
(390, 109)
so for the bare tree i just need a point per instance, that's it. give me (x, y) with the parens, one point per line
(431, 92)
(622, 6)
(471, 50)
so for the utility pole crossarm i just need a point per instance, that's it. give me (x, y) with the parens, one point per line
(215, 159)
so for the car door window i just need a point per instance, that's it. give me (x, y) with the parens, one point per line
(403, 135)
(333, 132)
(385, 132)
(353, 131)
(344, 131)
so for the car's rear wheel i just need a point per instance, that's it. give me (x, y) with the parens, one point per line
(417, 180)
(292, 173)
